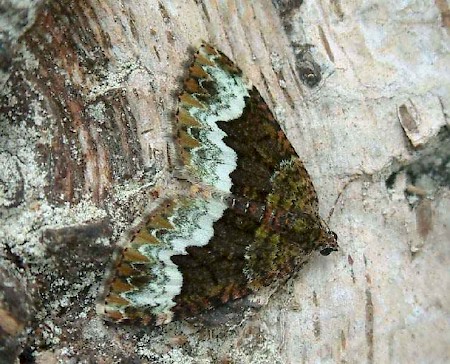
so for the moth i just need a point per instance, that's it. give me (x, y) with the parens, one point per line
(249, 218)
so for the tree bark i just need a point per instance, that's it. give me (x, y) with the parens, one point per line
(362, 91)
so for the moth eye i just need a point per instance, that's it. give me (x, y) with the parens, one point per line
(327, 251)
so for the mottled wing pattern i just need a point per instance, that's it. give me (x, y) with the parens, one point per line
(257, 221)
(144, 280)
(247, 250)
(214, 91)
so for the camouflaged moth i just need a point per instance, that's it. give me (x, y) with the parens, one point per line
(253, 219)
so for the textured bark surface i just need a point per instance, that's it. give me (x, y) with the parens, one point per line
(362, 91)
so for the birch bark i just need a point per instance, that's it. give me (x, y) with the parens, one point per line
(362, 91)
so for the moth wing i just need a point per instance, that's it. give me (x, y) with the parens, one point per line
(144, 281)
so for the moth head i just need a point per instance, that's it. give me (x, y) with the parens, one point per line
(328, 242)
